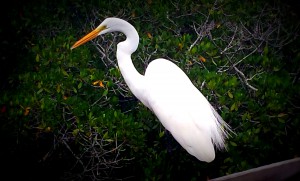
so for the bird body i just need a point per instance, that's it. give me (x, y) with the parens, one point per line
(167, 91)
(178, 105)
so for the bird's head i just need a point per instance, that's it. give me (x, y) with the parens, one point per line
(107, 26)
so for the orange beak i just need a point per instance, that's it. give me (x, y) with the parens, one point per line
(93, 34)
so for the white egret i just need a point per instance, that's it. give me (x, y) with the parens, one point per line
(167, 91)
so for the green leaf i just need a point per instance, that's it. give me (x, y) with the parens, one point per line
(58, 88)
(257, 130)
(75, 132)
(105, 136)
(281, 120)
(37, 58)
(233, 107)
(275, 69)
(109, 83)
(105, 92)
(79, 85)
(74, 89)
(266, 50)
(161, 134)
(228, 160)
(232, 143)
(193, 50)
(39, 91)
(246, 116)
(230, 94)
(64, 72)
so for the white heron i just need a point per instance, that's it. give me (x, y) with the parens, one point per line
(168, 92)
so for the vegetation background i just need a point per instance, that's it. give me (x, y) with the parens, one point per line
(68, 115)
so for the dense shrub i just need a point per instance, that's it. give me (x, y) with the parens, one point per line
(71, 113)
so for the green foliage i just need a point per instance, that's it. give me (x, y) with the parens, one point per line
(76, 101)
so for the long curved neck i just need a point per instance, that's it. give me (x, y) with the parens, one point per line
(132, 77)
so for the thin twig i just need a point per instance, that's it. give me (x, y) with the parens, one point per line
(244, 78)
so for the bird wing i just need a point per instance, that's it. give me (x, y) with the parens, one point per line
(182, 109)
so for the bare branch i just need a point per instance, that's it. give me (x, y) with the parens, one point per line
(244, 78)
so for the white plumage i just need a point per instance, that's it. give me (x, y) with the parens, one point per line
(167, 91)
